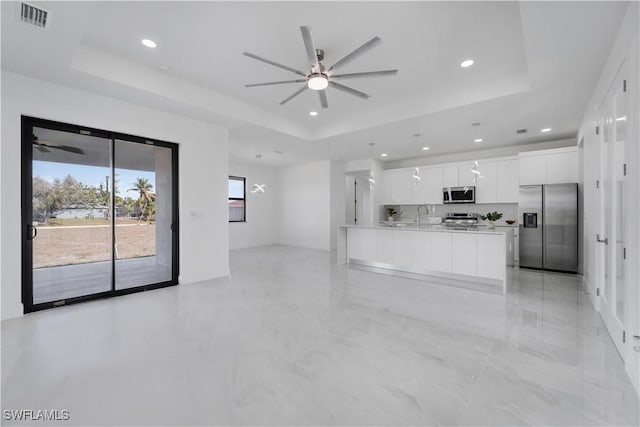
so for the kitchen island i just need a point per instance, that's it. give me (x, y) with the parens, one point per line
(473, 255)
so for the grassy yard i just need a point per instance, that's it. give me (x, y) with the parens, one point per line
(63, 246)
(58, 222)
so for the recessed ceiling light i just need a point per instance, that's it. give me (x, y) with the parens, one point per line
(313, 113)
(149, 43)
(383, 155)
(466, 63)
(620, 119)
(164, 67)
(425, 148)
(477, 140)
(545, 130)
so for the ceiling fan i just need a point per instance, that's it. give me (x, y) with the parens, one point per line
(43, 147)
(319, 77)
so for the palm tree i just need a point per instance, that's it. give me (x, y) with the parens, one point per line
(146, 197)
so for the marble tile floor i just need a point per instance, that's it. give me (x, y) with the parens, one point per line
(293, 339)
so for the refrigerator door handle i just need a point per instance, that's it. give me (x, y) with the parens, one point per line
(599, 240)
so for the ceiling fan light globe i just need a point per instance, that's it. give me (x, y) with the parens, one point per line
(317, 82)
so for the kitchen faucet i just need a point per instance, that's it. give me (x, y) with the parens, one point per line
(426, 208)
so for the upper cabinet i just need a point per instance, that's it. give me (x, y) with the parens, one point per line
(562, 167)
(487, 183)
(450, 175)
(465, 176)
(434, 176)
(498, 182)
(401, 188)
(556, 166)
(507, 181)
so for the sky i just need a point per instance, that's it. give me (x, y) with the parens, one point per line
(92, 175)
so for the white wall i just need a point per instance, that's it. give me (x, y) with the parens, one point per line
(304, 205)
(626, 49)
(262, 208)
(203, 160)
(337, 201)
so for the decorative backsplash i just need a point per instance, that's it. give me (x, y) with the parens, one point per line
(409, 213)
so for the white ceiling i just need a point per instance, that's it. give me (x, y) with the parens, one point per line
(536, 66)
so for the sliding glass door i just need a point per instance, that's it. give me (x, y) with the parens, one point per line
(99, 214)
(144, 215)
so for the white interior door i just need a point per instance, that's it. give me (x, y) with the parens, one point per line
(612, 218)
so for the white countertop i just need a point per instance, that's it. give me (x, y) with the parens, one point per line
(436, 228)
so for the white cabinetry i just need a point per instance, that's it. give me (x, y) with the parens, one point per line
(403, 186)
(398, 185)
(556, 166)
(440, 246)
(562, 168)
(507, 181)
(450, 175)
(486, 188)
(464, 253)
(499, 182)
(489, 248)
(361, 244)
(465, 176)
(384, 246)
(434, 184)
(402, 249)
(533, 170)
(420, 251)
(477, 256)
(388, 197)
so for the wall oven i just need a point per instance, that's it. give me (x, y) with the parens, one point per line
(459, 195)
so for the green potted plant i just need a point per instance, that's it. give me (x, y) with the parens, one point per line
(390, 213)
(492, 217)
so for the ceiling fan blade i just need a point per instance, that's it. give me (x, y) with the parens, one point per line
(296, 93)
(359, 51)
(275, 64)
(348, 90)
(310, 47)
(40, 148)
(67, 148)
(365, 74)
(276, 83)
(323, 99)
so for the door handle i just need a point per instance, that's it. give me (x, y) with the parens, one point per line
(32, 232)
(636, 339)
(174, 226)
(599, 240)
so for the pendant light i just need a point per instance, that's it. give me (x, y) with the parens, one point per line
(416, 176)
(258, 188)
(372, 178)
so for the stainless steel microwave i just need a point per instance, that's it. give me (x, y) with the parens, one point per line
(459, 195)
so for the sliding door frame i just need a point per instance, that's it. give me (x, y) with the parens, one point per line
(27, 124)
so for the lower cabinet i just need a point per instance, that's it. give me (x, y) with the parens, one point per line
(490, 248)
(470, 254)
(440, 246)
(420, 251)
(384, 246)
(464, 250)
(403, 249)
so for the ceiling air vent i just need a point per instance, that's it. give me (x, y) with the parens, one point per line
(33, 15)
(519, 131)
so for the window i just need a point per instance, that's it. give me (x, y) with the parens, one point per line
(237, 206)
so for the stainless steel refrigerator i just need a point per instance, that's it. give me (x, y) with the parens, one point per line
(549, 226)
